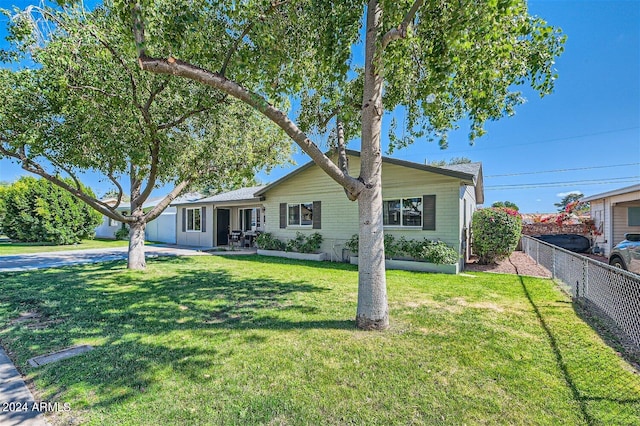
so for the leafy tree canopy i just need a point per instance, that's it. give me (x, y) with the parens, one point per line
(507, 204)
(83, 104)
(571, 198)
(454, 60)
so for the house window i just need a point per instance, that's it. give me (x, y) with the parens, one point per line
(403, 212)
(633, 216)
(194, 220)
(250, 219)
(113, 222)
(300, 214)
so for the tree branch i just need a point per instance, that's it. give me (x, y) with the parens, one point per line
(343, 160)
(155, 92)
(95, 89)
(67, 171)
(153, 173)
(179, 68)
(33, 167)
(401, 30)
(120, 190)
(162, 205)
(114, 53)
(182, 119)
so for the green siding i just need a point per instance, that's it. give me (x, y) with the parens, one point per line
(340, 216)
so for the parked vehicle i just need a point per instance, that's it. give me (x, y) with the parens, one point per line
(626, 254)
(572, 242)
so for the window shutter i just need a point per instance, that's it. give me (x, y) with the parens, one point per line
(283, 215)
(317, 215)
(184, 219)
(203, 218)
(428, 212)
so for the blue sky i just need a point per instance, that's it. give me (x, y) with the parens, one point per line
(584, 137)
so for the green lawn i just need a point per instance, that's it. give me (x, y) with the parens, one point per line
(8, 248)
(249, 340)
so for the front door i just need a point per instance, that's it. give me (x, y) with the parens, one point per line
(223, 221)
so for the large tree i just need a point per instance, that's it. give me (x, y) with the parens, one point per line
(83, 104)
(434, 61)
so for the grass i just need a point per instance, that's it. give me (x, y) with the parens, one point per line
(250, 340)
(9, 248)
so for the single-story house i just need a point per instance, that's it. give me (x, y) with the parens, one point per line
(615, 213)
(208, 222)
(419, 201)
(162, 229)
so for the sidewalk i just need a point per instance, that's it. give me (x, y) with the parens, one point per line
(16, 401)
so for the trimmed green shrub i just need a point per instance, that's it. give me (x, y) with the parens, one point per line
(266, 241)
(496, 233)
(353, 244)
(437, 252)
(304, 244)
(38, 211)
(122, 233)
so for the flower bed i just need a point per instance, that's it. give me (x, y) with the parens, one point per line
(414, 255)
(301, 247)
(294, 255)
(414, 265)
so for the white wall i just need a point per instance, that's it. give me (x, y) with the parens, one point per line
(163, 228)
(105, 231)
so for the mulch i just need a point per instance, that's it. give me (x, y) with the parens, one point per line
(518, 263)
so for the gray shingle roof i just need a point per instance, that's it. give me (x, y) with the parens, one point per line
(242, 194)
(469, 168)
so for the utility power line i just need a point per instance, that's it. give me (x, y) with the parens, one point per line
(563, 170)
(628, 179)
(474, 148)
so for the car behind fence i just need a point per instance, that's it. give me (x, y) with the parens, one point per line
(609, 293)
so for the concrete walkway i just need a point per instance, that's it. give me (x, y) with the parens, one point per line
(16, 401)
(26, 262)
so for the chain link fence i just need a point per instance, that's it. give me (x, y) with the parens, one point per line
(608, 299)
(610, 292)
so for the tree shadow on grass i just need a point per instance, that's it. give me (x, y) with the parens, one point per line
(138, 319)
(339, 266)
(621, 396)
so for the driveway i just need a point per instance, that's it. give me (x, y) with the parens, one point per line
(26, 262)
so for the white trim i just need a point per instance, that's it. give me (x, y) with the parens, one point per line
(400, 226)
(300, 225)
(186, 212)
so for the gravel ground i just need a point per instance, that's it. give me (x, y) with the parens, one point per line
(518, 263)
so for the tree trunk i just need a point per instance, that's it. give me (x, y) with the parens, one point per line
(136, 258)
(373, 311)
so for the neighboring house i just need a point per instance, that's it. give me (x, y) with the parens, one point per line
(207, 222)
(419, 201)
(162, 229)
(615, 213)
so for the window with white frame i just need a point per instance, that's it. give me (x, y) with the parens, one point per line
(194, 220)
(300, 214)
(250, 219)
(405, 212)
